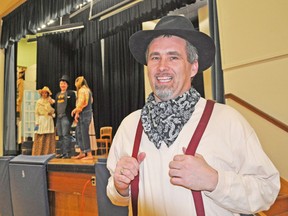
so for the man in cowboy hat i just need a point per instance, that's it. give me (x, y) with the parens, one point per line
(65, 103)
(230, 174)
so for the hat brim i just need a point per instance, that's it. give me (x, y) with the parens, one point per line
(40, 91)
(64, 81)
(139, 42)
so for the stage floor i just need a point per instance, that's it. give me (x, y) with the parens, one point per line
(74, 165)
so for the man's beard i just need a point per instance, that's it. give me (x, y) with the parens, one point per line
(163, 92)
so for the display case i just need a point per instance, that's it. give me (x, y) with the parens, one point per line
(30, 98)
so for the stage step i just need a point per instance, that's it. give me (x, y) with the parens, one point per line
(279, 208)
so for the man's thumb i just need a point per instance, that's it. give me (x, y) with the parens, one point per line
(141, 157)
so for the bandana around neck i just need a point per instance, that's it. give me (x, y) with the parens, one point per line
(163, 121)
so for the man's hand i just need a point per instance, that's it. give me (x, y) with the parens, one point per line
(126, 170)
(193, 172)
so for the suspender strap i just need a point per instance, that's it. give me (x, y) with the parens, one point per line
(135, 182)
(191, 149)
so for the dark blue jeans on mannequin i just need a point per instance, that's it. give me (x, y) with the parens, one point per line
(63, 127)
(82, 131)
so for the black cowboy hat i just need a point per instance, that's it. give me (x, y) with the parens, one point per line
(178, 26)
(64, 78)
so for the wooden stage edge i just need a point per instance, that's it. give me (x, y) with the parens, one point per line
(75, 161)
(72, 186)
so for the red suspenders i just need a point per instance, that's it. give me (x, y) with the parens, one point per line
(191, 149)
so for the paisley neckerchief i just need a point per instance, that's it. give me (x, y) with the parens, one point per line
(163, 121)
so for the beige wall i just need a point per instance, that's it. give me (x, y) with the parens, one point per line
(27, 53)
(274, 140)
(27, 56)
(254, 49)
(269, 82)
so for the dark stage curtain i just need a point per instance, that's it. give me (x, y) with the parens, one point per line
(146, 6)
(14, 26)
(9, 132)
(31, 15)
(119, 88)
(144, 11)
(87, 63)
(123, 78)
(54, 58)
(79, 53)
(117, 91)
(75, 53)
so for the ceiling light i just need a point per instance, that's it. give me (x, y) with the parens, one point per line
(62, 28)
(50, 22)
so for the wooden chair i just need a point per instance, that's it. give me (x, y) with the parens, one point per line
(106, 133)
(101, 148)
